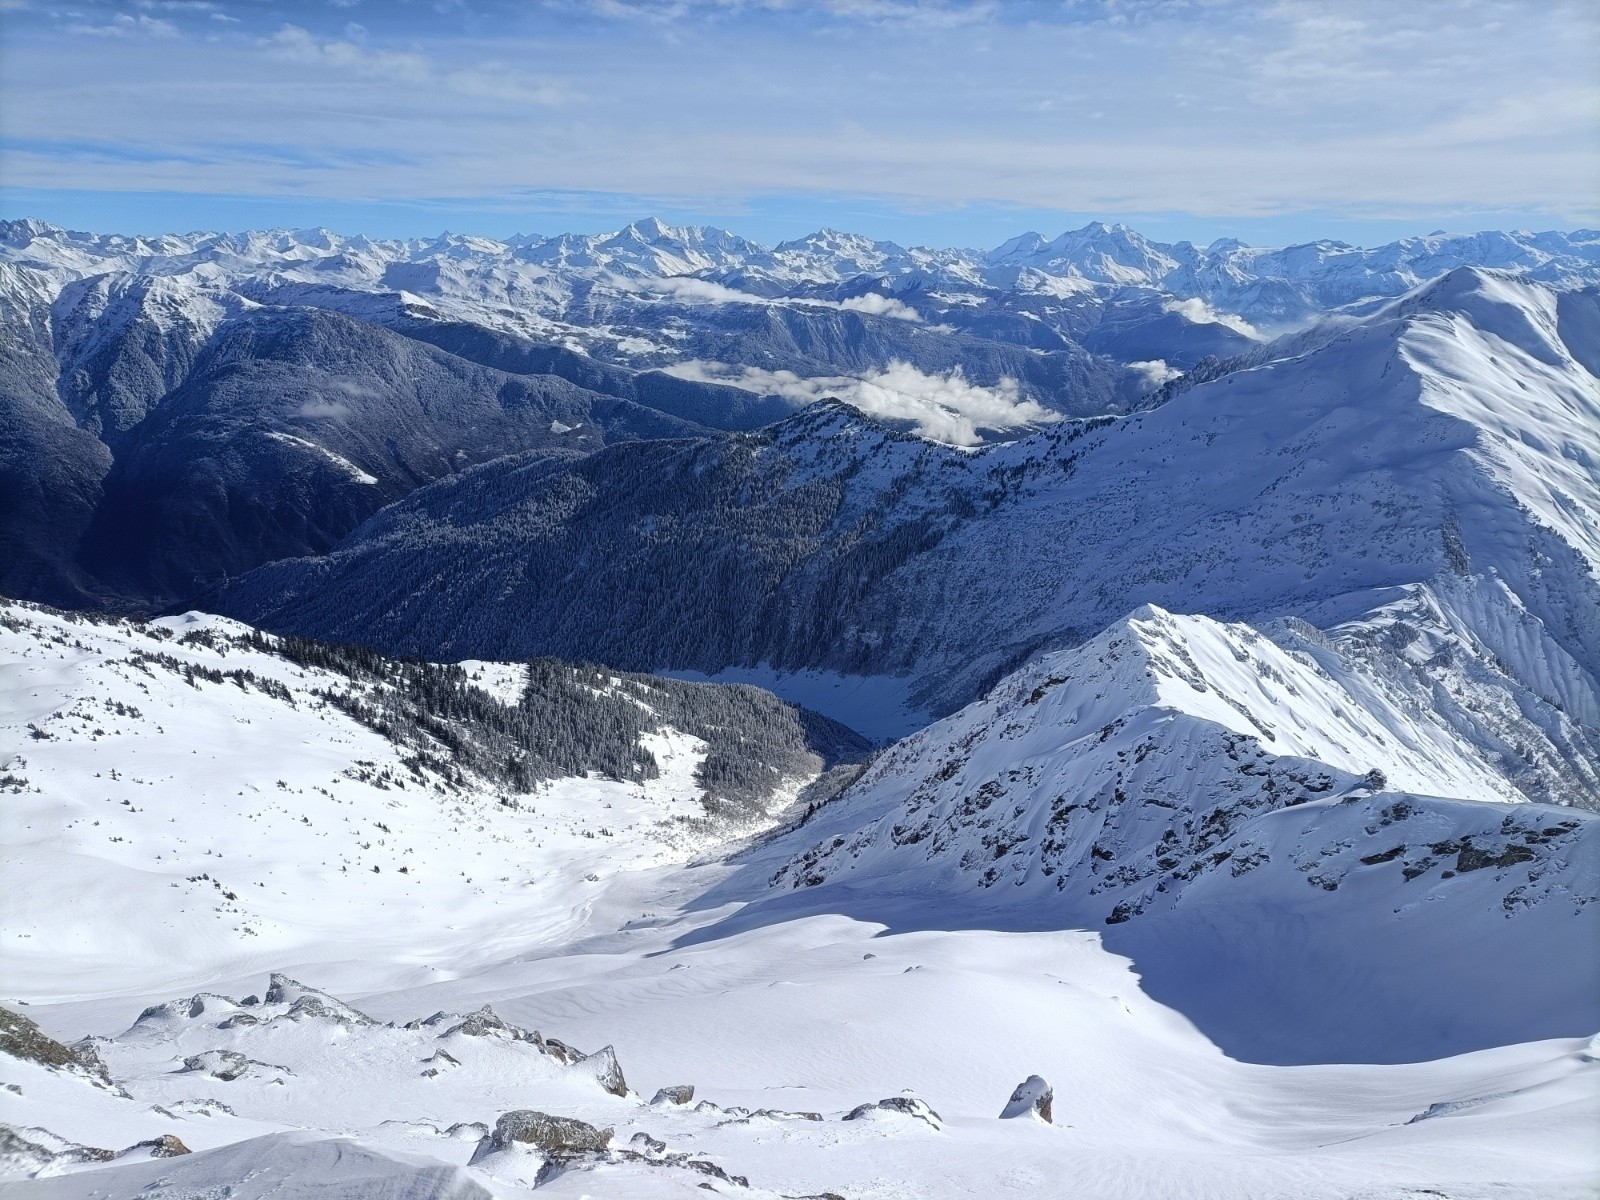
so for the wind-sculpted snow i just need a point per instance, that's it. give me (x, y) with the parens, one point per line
(1306, 485)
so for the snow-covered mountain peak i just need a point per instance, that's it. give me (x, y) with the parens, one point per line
(1108, 254)
(1231, 677)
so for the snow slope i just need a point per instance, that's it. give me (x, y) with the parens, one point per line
(1306, 867)
(221, 794)
(1176, 775)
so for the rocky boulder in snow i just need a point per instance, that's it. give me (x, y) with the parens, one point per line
(306, 1001)
(22, 1038)
(1033, 1097)
(166, 1146)
(908, 1106)
(550, 1134)
(607, 1071)
(230, 1065)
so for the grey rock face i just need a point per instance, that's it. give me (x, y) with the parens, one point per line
(607, 1071)
(551, 1134)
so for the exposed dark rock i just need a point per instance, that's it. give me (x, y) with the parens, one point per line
(306, 1002)
(41, 1148)
(488, 1023)
(553, 1135)
(22, 1038)
(908, 1105)
(228, 1065)
(559, 1163)
(165, 1146)
(1470, 858)
(678, 1093)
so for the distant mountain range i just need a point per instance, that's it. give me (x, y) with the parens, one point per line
(181, 409)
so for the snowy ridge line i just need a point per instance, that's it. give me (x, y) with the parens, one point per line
(1174, 771)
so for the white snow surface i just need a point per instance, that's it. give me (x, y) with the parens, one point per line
(887, 978)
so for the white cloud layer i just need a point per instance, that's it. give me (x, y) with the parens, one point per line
(1198, 311)
(880, 306)
(1156, 371)
(492, 81)
(946, 408)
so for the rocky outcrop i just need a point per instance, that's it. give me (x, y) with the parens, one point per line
(306, 1001)
(544, 1132)
(22, 1038)
(1032, 1097)
(607, 1071)
(907, 1105)
(28, 1151)
(165, 1146)
(230, 1065)
(678, 1093)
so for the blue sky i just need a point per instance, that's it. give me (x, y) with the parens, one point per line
(954, 123)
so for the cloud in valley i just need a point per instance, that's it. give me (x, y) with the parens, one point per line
(943, 407)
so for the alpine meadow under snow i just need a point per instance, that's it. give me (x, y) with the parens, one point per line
(642, 714)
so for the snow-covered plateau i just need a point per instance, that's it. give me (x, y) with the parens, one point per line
(1185, 788)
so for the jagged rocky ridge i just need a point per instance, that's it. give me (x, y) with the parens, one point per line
(1280, 838)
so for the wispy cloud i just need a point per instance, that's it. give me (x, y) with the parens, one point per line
(691, 290)
(124, 25)
(488, 80)
(1198, 311)
(295, 44)
(881, 306)
(944, 407)
(1227, 108)
(933, 14)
